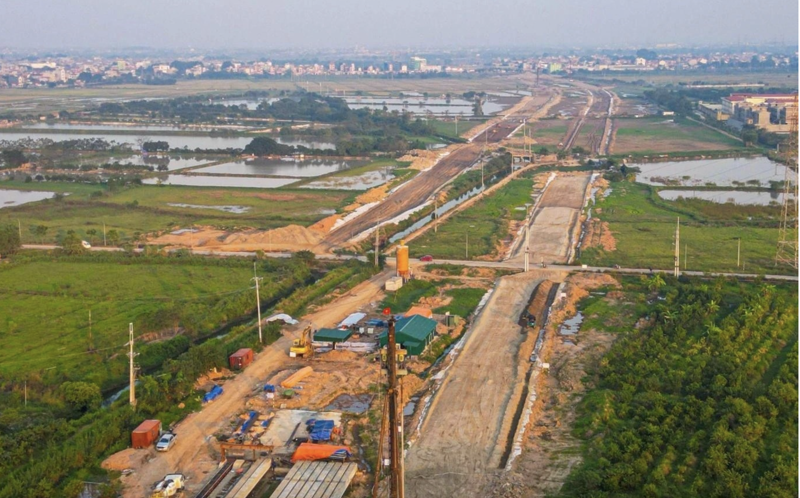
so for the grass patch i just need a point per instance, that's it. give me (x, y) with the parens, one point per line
(661, 134)
(486, 222)
(644, 228)
(147, 209)
(464, 302)
(409, 294)
(448, 128)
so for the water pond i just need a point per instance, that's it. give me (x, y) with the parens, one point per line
(750, 171)
(9, 198)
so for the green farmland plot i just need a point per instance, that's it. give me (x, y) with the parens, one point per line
(644, 228)
(485, 224)
(150, 208)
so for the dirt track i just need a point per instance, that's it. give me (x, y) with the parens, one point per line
(416, 192)
(464, 435)
(420, 188)
(192, 454)
(555, 225)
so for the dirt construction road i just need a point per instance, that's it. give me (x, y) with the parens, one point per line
(465, 432)
(192, 454)
(555, 223)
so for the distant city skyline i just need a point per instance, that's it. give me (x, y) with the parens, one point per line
(304, 24)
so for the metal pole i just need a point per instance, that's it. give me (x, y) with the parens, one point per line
(104, 233)
(394, 432)
(401, 478)
(466, 247)
(19, 226)
(435, 215)
(738, 251)
(132, 372)
(377, 245)
(258, 303)
(677, 271)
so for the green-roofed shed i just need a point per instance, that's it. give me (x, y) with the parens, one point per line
(414, 333)
(332, 335)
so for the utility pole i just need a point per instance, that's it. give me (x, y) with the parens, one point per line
(377, 246)
(677, 271)
(738, 251)
(131, 356)
(435, 215)
(26, 393)
(19, 227)
(456, 125)
(90, 330)
(104, 233)
(258, 302)
(527, 250)
(686, 257)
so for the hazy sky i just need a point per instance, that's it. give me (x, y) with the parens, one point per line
(207, 24)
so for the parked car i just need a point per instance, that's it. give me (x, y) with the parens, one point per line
(166, 441)
(86, 245)
(426, 258)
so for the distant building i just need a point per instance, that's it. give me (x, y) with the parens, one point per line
(418, 64)
(766, 111)
(712, 111)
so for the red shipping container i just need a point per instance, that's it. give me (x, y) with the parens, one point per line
(146, 434)
(241, 358)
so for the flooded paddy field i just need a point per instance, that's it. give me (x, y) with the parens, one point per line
(750, 171)
(298, 168)
(131, 137)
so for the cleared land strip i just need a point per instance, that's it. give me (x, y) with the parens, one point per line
(555, 220)
(464, 435)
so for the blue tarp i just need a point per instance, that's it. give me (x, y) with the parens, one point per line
(269, 388)
(246, 425)
(212, 394)
(320, 430)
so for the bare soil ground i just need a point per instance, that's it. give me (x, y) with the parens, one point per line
(195, 453)
(462, 438)
(555, 221)
(550, 451)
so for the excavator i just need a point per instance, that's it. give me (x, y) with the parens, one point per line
(303, 347)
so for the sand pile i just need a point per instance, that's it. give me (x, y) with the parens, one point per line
(325, 225)
(201, 237)
(125, 459)
(421, 159)
(288, 237)
(374, 194)
(339, 356)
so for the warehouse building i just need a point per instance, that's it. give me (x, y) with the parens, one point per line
(414, 333)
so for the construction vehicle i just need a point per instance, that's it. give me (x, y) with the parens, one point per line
(169, 486)
(303, 347)
(401, 353)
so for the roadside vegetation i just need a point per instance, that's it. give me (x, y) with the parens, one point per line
(699, 399)
(643, 226)
(189, 314)
(485, 223)
(134, 210)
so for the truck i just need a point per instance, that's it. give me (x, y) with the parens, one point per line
(169, 486)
